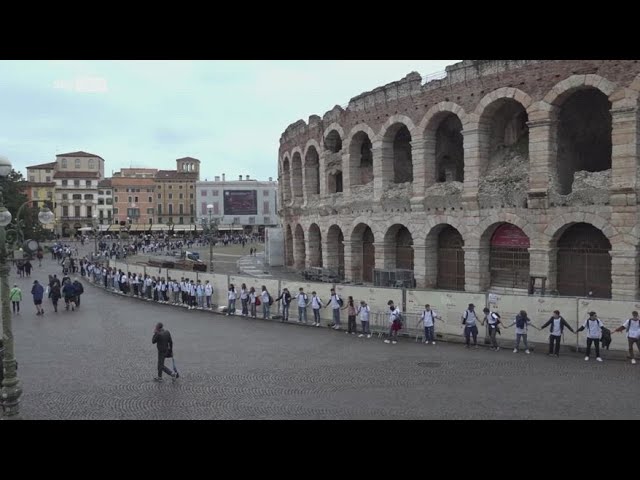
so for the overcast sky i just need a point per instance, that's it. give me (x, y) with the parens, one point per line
(228, 114)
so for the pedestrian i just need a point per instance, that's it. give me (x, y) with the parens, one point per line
(244, 299)
(54, 295)
(39, 255)
(16, 297)
(316, 305)
(208, 292)
(79, 290)
(632, 325)
(351, 316)
(428, 320)
(593, 325)
(253, 302)
(395, 323)
(200, 294)
(28, 267)
(267, 301)
(69, 295)
(162, 339)
(363, 311)
(556, 326)
(285, 296)
(37, 291)
(302, 305)
(231, 309)
(522, 323)
(469, 320)
(493, 325)
(336, 303)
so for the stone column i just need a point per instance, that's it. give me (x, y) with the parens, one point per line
(346, 173)
(624, 273)
(350, 261)
(477, 277)
(382, 167)
(431, 261)
(475, 154)
(624, 154)
(419, 175)
(542, 156)
(419, 265)
(323, 172)
(385, 255)
(299, 252)
(540, 262)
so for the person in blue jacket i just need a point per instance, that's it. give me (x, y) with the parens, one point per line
(38, 293)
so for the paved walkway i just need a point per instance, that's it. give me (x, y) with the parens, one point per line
(254, 266)
(98, 363)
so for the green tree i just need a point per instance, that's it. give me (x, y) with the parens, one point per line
(13, 196)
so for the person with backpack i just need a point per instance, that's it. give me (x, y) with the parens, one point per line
(302, 305)
(493, 326)
(593, 325)
(79, 290)
(38, 292)
(351, 316)
(69, 293)
(316, 305)
(267, 301)
(522, 322)
(254, 301)
(469, 321)
(336, 304)
(428, 320)
(556, 326)
(364, 312)
(395, 323)
(632, 326)
(54, 295)
(15, 296)
(285, 296)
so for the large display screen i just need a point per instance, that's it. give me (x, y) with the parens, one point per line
(240, 202)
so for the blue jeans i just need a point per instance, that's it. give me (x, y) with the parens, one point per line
(429, 334)
(336, 316)
(365, 327)
(316, 315)
(471, 331)
(232, 307)
(302, 314)
(285, 312)
(266, 310)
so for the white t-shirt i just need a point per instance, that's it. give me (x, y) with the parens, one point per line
(428, 317)
(594, 328)
(633, 328)
(265, 298)
(394, 314)
(316, 303)
(208, 289)
(232, 295)
(471, 319)
(364, 313)
(522, 331)
(555, 327)
(334, 301)
(302, 299)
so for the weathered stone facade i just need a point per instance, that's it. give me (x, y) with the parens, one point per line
(547, 146)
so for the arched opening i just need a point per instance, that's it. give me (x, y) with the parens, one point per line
(296, 175)
(288, 244)
(363, 253)
(450, 259)
(312, 171)
(504, 159)
(399, 248)
(584, 138)
(584, 262)
(300, 254)
(65, 230)
(449, 150)
(402, 161)
(286, 180)
(333, 142)
(335, 181)
(335, 250)
(509, 257)
(315, 246)
(361, 158)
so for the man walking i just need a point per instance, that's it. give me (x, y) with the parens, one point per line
(16, 297)
(493, 324)
(469, 320)
(38, 292)
(632, 326)
(556, 329)
(162, 339)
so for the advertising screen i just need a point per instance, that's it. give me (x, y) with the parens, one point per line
(240, 202)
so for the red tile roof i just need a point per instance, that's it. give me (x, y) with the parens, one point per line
(175, 175)
(79, 154)
(44, 165)
(105, 183)
(63, 174)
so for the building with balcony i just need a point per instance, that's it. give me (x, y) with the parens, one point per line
(133, 197)
(175, 195)
(40, 184)
(105, 204)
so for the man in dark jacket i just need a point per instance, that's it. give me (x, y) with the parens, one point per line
(557, 324)
(162, 339)
(79, 289)
(38, 293)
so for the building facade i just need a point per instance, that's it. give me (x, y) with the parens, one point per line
(501, 176)
(105, 203)
(40, 183)
(243, 204)
(133, 196)
(175, 195)
(76, 192)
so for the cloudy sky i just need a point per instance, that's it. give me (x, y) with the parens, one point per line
(228, 114)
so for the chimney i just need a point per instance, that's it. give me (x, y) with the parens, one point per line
(247, 177)
(240, 177)
(223, 177)
(271, 179)
(217, 178)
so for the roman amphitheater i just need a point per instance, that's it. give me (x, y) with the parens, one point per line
(504, 176)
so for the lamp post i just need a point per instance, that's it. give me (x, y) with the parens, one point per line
(11, 389)
(95, 235)
(210, 209)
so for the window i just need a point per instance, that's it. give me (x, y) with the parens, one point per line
(76, 183)
(65, 211)
(88, 184)
(109, 192)
(203, 208)
(115, 190)
(100, 192)
(171, 209)
(265, 193)
(159, 209)
(64, 163)
(76, 211)
(191, 219)
(110, 201)
(181, 220)
(215, 208)
(89, 210)
(49, 195)
(150, 199)
(48, 170)
(137, 190)
(265, 207)
(130, 199)
(133, 212)
(115, 199)
(77, 196)
(32, 178)
(88, 196)
(180, 196)
(192, 208)
(181, 208)
(180, 187)
(203, 193)
(191, 187)
(267, 221)
(64, 183)
(236, 220)
(92, 164)
(115, 211)
(149, 190)
(109, 214)
(48, 179)
(149, 211)
(170, 196)
(191, 196)
(252, 220)
(159, 219)
(159, 196)
(77, 164)
(101, 214)
(65, 196)
(214, 193)
(170, 187)
(101, 201)
(135, 199)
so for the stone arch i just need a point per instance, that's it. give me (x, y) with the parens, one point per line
(333, 139)
(315, 246)
(560, 224)
(299, 248)
(312, 170)
(332, 158)
(445, 258)
(286, 180)
(335, 250)
(333, 126)
(288, 247)
(296, 173)
(360, 157)
(363, 253)
(561, 90)
(398, 249)
(441, 130)
(397, 162)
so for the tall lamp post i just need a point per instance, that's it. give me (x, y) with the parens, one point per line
(210, 209)
(95, 235)
(11, 389)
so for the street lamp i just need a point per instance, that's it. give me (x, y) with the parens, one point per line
(210, 209)
(95, 234)
(11, 389)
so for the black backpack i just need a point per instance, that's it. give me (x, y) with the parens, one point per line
(340, 301)
(270, 299)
